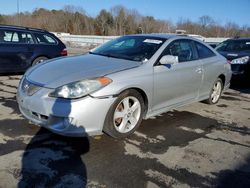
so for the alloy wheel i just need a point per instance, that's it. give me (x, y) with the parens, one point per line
(127, 114)
(216, 92)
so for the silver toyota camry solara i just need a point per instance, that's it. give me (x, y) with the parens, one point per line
(113, 87)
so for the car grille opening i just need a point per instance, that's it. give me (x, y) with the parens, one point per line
(40, 116)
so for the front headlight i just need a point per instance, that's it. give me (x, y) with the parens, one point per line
(242, 60)
(80, 88)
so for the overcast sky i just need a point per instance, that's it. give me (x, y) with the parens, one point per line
(221, 10)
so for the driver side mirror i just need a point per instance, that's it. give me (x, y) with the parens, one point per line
(169, 59)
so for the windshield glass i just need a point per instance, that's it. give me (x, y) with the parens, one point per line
(234, 45)
(135, 48)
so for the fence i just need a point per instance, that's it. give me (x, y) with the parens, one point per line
(96, 40)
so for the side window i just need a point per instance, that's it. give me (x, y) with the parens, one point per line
(9, 36)
(26, 38)
(245, 45)
(5, 36)
(15, 37)
(29, 38)
(44, 39)
(183, 49)
(203, 51)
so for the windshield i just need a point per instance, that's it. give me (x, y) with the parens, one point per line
(135, 48)
(234, 46)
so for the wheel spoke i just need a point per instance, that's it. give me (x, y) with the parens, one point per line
(126, 103)
(118, 115)
(217, 87)
(123, 125)
(133, 121)
(134, 106)
(212, 96)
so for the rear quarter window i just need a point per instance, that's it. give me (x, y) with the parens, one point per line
(45, 39)
(203, 51)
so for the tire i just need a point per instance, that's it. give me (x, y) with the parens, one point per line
(215, 92)
(39, 60)
(129, 108)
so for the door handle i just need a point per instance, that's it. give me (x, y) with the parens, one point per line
(199, 70)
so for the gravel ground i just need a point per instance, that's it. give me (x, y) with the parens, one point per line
(193, 146)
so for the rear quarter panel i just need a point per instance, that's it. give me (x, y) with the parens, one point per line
(213, 68)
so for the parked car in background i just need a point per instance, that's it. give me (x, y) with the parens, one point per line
(115, 86)
(237, 52)
(212, 44)
(22, 47)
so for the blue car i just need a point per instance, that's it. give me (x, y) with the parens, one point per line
(21, 47)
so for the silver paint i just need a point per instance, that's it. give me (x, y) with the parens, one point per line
(165, 87)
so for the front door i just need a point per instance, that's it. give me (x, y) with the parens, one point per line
(178, 83)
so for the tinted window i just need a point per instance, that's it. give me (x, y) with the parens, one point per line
(15, 37)
(203, 51)
(5, 36)
(27, 38)
(183, 49)
(44, 39)
(135, 48)
(234, 45)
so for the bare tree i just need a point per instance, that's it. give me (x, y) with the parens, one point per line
(119, 21)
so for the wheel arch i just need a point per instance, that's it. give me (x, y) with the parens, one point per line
(40, 55)
(144, 96)
(223, 79)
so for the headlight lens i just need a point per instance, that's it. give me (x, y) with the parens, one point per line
(242, 60)
(81, 88)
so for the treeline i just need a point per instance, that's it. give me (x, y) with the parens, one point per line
(119, 21)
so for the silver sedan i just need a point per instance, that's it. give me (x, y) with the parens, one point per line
(113, 87)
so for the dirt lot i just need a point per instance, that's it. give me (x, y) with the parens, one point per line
(194, 146)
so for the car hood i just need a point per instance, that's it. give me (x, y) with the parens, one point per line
(233, 55)
(57, 72)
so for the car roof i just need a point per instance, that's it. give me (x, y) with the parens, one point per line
(22, 28)
(238, 39)
(157, 35)
(166, 36)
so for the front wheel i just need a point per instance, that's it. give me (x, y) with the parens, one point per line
(215, 92)
(125, 115)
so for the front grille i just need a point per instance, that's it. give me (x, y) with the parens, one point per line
(34, 117)
(29, 88)
(40, 116)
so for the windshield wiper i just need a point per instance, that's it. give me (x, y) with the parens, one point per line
(93, 53)
(110, 55)
(106, 55)
(113, 56)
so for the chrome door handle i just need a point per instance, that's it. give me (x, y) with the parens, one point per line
(199, 70)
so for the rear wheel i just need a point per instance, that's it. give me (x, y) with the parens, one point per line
(125, 115)
(39, 60)
(215, 92)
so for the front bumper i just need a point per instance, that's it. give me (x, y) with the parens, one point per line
(79, 117)
(238, 69)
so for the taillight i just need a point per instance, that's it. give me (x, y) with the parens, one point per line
(64, 52)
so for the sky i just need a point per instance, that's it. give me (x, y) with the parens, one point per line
(221, 10)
